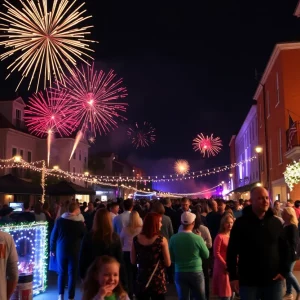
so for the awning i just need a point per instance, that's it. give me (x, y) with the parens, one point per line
(65, 188)
(10, 184)
(244, 188)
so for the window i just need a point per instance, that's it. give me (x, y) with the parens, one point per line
(277, 89)
(270, 151)
(74, 155)
(280, 147)
(29, 157)
(74, 170)
(260, 116)
(18, 119)
(22, 153)
(79, 154)
(268, 104)
(14, 152)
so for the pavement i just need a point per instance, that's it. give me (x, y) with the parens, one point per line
(51, 292)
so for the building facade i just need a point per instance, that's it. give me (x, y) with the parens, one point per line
(242, 148)
(278, 106)
(16, 140)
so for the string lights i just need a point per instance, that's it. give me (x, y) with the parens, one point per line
(31, 241)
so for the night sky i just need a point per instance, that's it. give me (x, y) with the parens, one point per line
(189, 67)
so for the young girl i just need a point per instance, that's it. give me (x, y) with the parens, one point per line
(102, 281)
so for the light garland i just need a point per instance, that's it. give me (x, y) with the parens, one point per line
(292, 174)
(35, 235)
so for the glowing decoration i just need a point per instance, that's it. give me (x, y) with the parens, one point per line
(46, 42)
(209, 146)
(292, 174)
(181, 167)
(48, 113)
(31, 243)
(142, 135)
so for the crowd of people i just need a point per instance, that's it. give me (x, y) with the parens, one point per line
(127, 249)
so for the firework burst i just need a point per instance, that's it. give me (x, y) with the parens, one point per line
(142, 135)
(45, 42)
(95, 99)
(181, 167)
(208, 145)
(49, 113)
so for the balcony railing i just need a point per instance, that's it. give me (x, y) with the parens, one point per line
(295, 141)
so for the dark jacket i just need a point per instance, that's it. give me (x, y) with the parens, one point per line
(256, 249)
(213, 221)
(90, 249)
(291, 235)
(172, 214)
(66, 235)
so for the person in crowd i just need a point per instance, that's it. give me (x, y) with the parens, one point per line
(114, 210)
(187, 252)
(5, 215)
(102, 280)
(246, 203)
(171, 213)
(204, 212)
(46, 211)
(26, 215)
(202, 230)
(83, 208)
(185, 204)
(89, 216)
(256, 257)
(297, 208)
(57, 209)
(151, 253)
(213, 219)
(290, 203)
(291, 234)
(8, 266)
(221, 283)
(166, 228)
(65, 245)
(122, 220)
(101, 240)
(277, 209)
(237, 212)
(38, 212)
(241, 204)
(133, 228)
(64, 208)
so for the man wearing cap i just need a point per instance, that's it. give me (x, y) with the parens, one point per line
(187, 251)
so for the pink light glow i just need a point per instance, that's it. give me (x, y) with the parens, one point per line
(50, 112)
(142, 135)
(209, 146)
(94, 96)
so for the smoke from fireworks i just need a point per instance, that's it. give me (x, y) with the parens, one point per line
(142, 135)
(45, 42)
(208, 145)
(48, 113)
(181, 167)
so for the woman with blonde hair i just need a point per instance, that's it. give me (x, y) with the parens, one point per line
(101, 240)
(220, 282)
(127, 234)
(291, 235)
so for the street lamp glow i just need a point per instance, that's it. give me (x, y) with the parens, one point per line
(55, 168)
(230, 175)
(258, 149)
(86, 173)
(258, 184)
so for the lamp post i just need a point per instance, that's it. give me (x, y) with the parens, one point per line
(259, 151)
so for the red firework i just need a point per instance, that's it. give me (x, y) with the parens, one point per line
(94, 99)
(142, 135)
(209, 146)
(50, 112)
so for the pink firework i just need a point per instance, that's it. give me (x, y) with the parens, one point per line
(209, 146)
(142, 135)
(50, 112)
(96, 99)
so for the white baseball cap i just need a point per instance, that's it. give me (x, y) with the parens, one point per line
(187, 218)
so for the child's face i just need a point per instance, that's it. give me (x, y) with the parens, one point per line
(109, 276)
